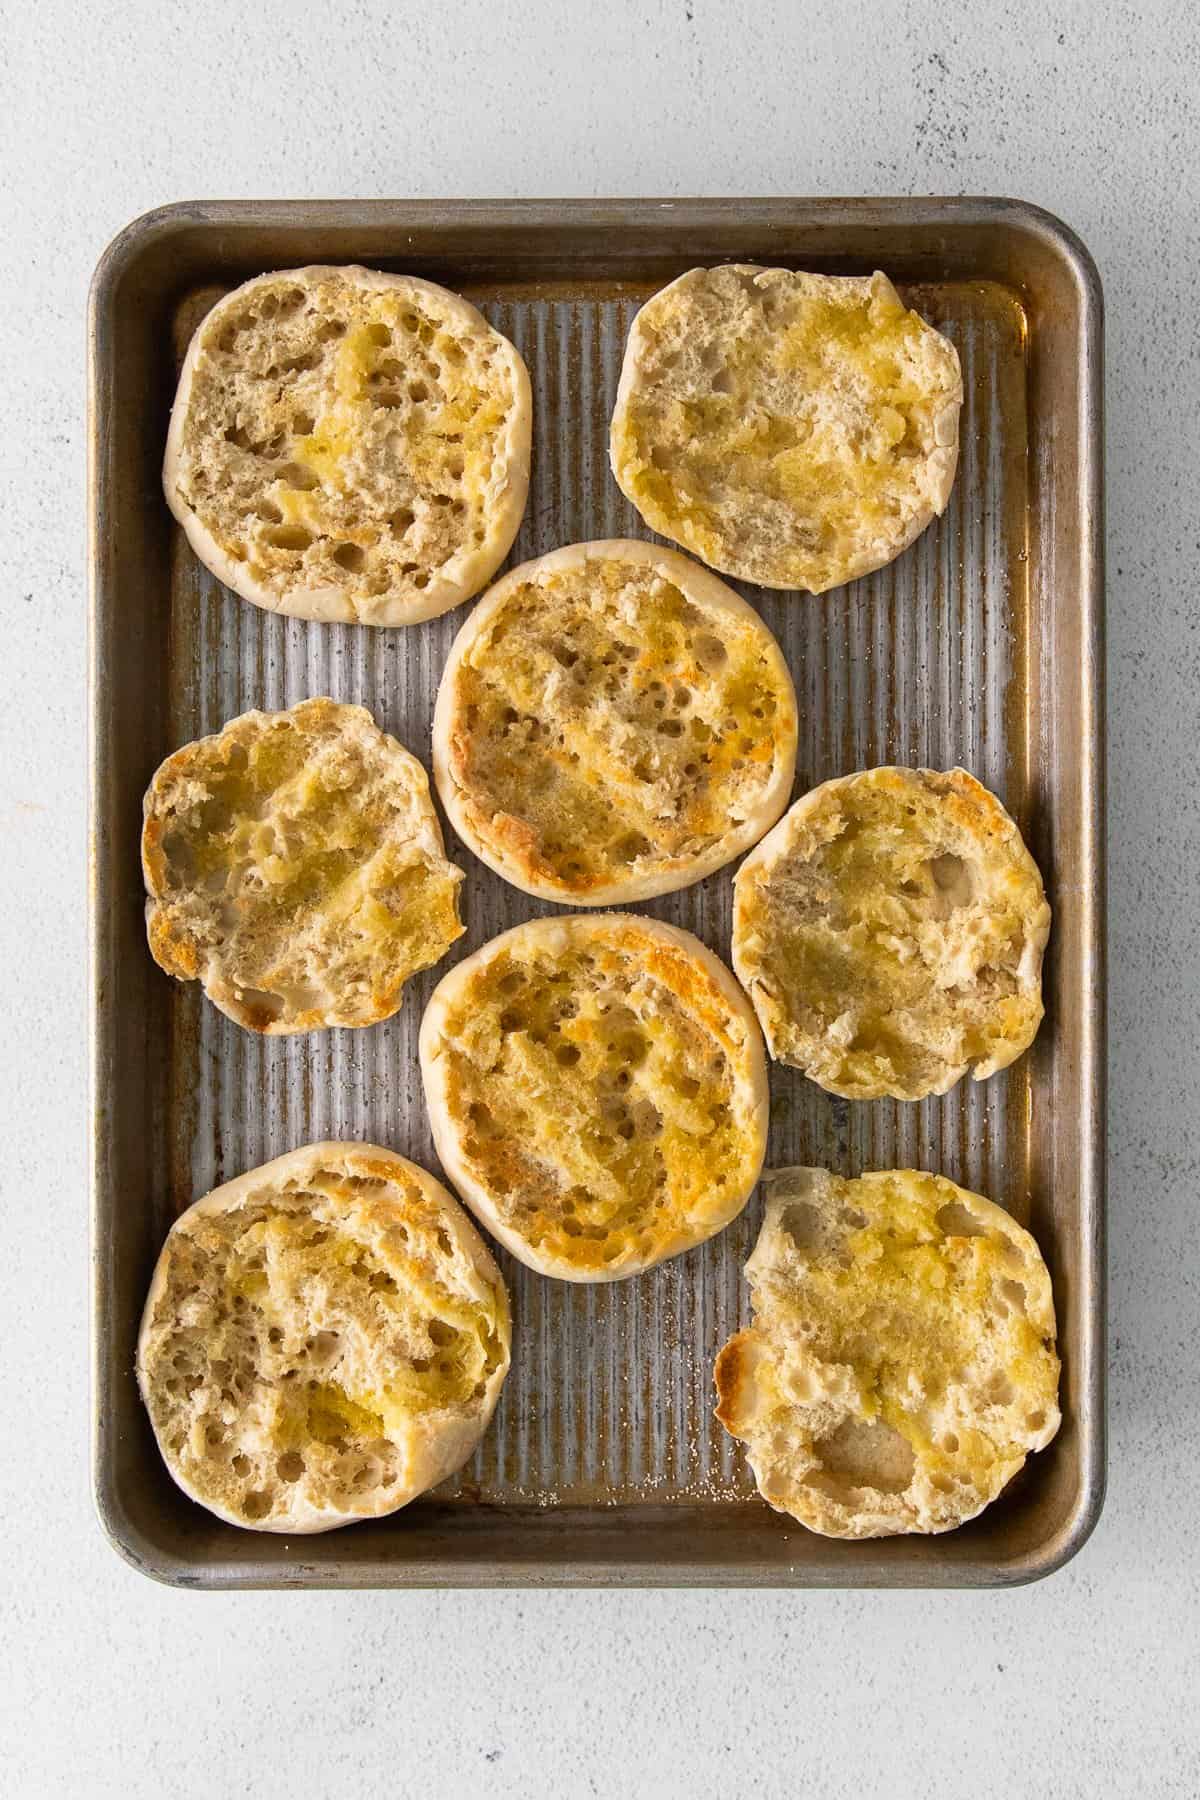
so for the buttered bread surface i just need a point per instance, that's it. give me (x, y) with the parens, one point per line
(596, 1086)
(349, 445)
(794, 430)
(324, 1339)
(890, 932)
(294, 866)
(613, 722)
(901, 1364)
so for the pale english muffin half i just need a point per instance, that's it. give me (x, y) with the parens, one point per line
(613, 722)
(793, 430)
(890, 932)
(324, 1339)
(901, 1363)
(349, 445)
(597, 1091)
(295, 867)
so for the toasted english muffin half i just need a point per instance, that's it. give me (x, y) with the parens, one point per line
(349, 445)
(792, 430)
(901, 1364)
(613, 722)
(890, 932)
(324, 1339)
(295, 867)
(597, 1091)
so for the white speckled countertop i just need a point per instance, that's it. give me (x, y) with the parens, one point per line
(1083, 1685)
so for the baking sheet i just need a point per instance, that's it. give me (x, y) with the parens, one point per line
(604, 1438)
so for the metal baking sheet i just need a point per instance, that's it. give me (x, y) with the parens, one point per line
(982, 645)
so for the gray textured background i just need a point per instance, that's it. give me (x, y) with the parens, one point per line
(1086, 1684)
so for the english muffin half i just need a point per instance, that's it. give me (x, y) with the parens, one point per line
(349, 445)
(793, 430)
(295, 867)
(901, 1365)
(890, 932)
(613, 722)
(324, 1339)
(597, 1091)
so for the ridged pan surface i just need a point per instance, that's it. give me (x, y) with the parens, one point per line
(610, 1395)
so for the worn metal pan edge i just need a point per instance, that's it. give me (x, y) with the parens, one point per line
(143, 270)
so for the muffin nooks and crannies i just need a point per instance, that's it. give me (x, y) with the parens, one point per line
(613, 722)
(295, 867)
(597, 1092)
(890, 932)
(349, 445)
(901, 1365)
(792, 430)
(324, 1339)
